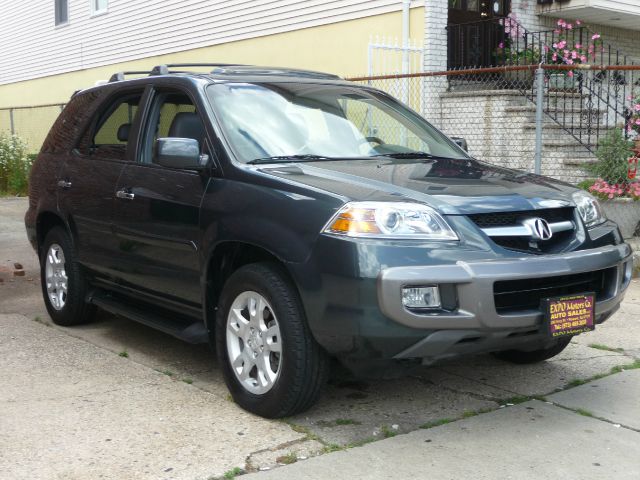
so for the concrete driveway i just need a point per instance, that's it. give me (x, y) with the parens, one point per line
(115, 399)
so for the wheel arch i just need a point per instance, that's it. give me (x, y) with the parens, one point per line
(45, 222)
(226, 258)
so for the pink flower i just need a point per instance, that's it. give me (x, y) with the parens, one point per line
(574, 54)
(578, 46)
(569, 26)
(636, 107)
(570, 73)
(595, 36)
(555, 57)
(583, 58)
(501, 45)
(562, 44)
(578, 22)
(569, 61)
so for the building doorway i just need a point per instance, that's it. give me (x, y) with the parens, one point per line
(475, 32)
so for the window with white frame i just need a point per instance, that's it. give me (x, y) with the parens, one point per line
(99, 6)
(62, 12)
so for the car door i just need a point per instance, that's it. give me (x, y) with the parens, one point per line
(157, 213)
(88, 179)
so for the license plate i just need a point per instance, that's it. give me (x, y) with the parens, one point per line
(570, 314)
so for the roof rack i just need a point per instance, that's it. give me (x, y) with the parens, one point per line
(120, 76)
(164, 69)
(222, 69)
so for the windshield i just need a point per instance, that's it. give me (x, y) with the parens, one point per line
(303, 121)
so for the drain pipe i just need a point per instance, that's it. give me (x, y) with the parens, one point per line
(406, 4)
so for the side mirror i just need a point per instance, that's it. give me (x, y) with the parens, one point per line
(179, 153)
(461, 142)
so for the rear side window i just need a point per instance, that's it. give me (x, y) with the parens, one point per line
(110, 133)
(115, 125)
(71, 122)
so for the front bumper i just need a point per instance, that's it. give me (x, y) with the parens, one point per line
(354, 306)
(476, 325)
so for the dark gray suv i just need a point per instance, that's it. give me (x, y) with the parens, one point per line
(288, 217)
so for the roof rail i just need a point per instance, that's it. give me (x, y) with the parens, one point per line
(120, 76)
(165, 68)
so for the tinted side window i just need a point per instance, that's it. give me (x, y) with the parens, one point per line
(109, 134)
(70, 123)
(173, 115)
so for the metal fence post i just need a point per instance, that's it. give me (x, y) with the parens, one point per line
(539, 119)
(11, 122)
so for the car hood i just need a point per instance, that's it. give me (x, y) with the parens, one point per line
(452, 186)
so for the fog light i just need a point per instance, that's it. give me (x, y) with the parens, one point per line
(421, 297)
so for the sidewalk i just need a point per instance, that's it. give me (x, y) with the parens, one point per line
(589, 432)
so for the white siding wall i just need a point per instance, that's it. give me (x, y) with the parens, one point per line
(32, 46)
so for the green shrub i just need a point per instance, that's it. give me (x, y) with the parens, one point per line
(15, 165)
(613, 155)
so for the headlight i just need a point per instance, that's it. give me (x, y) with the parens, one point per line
(589, 208)
(390, 220)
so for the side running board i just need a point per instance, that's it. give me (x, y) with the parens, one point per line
(195, 332)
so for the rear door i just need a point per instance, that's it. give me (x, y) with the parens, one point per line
(157, 213)
(88, 179)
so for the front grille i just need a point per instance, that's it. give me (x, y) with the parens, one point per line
(505, 219)
(524, 244)
(512, 296)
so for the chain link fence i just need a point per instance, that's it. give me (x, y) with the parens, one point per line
(578, 127)
(31, 124)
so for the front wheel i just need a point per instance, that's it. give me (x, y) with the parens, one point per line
(270, 361)
(533, 356)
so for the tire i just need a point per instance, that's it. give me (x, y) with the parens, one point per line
(533, 356)
(275, 384)
(63, 282)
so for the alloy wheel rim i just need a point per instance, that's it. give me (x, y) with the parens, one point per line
(56, 277)
(254, 343)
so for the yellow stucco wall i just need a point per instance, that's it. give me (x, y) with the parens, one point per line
(339, 48)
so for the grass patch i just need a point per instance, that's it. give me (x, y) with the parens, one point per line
(287, 459)
(41, 321)
(387, 432)
(187, 381)
(347, 421)
(599, 346)
(583, 412)
(515, 400)
(168, 373)
(437, 423)
(332, 447)
(124, 354)
(576, 382)
(231, 474)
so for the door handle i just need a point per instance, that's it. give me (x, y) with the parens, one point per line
(125, 195)
(64, 184)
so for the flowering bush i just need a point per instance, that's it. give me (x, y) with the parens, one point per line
(608, 191)
(634, 120)
(508, 51)
(568, 49)
(615, 169)
(15, 165)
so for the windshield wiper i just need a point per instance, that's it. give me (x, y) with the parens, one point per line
(410, 155)
(288, 159)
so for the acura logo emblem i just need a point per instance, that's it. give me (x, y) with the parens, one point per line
(539, 228)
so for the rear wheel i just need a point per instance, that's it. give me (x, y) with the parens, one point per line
(270, 361)
(533, 356)
(63, 281)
